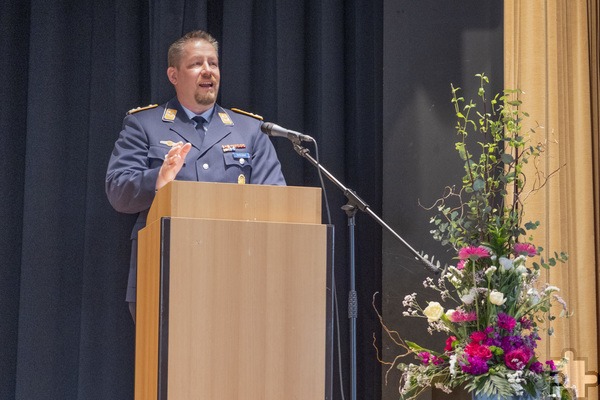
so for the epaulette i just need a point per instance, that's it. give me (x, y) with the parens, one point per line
(138, 109)
(249, 114)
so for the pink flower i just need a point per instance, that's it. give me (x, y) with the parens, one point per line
(517, 359)
(461, 316)
(449, 342)
(478, 336)
(480, 351)
(526, 249)
(473, 253)
(461, 264)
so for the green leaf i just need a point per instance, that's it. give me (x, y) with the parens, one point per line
(478, 185)
(507, 158)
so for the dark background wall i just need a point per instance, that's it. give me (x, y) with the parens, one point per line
(427, 46)
(71, 69)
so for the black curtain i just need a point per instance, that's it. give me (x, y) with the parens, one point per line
(71, 69)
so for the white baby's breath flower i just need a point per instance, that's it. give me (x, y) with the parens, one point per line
(490, 271)
(452, 363)
(550, 289)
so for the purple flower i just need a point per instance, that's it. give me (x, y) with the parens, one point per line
(475, 366)
(510, 343)
(536, 367)
(506, 322)
(551, 365)
(525, 323)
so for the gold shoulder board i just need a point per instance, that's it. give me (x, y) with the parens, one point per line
(138, 109)
(249, 114)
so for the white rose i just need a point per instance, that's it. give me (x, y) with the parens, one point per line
(468, 298)
(521, 269)
(506, 264)
(433, 311)
(497, 298)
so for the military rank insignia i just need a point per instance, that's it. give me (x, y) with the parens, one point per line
(169, 115)
(241, 179)
(225, 118)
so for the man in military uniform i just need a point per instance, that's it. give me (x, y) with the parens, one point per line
(188, 138)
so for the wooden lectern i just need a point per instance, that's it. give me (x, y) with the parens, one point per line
(233, 295)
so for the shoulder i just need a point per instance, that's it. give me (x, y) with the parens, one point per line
(142, 108)
(154, 113)
(235, 116)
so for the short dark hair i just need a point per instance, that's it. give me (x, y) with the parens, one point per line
(176, 49)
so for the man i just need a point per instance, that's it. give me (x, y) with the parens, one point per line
(188, 138)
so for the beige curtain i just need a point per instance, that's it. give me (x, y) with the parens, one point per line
(551, 53)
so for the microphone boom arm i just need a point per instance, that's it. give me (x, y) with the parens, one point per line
(355, 201)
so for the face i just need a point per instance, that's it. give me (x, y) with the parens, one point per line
(196, 78)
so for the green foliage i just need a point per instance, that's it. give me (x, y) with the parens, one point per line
(483, 210)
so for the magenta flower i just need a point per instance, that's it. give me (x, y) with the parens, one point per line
(449, 342)
(551, 365)
(517, 359)
(425, 357)
(461, 264)
(473, 253)
(461, 316)
(525, 249)
(480, 351)
(478, 336)
(507, 322)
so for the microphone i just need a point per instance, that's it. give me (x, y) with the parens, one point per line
(274, 130)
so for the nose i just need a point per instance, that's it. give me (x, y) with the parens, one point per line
(205, 70)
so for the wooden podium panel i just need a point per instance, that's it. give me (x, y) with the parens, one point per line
(237, 202)
(233, 309)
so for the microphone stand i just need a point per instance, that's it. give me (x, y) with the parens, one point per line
(356, 203)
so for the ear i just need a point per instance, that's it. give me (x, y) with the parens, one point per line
(172, 75)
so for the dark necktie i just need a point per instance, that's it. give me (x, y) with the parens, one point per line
(200, 128)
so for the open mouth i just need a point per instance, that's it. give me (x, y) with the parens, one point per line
(206, 85)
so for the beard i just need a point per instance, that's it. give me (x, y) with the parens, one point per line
(206, 98)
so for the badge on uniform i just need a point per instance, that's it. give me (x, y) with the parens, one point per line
(225, 118)
(241, 179)
(169, 143)
(169, 115)
(227, 148)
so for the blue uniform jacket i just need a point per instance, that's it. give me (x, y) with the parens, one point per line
(141, 148)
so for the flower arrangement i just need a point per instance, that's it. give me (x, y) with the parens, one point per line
(499, 308)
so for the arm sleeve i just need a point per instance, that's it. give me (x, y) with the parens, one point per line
(266, 169)
(130, 182)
